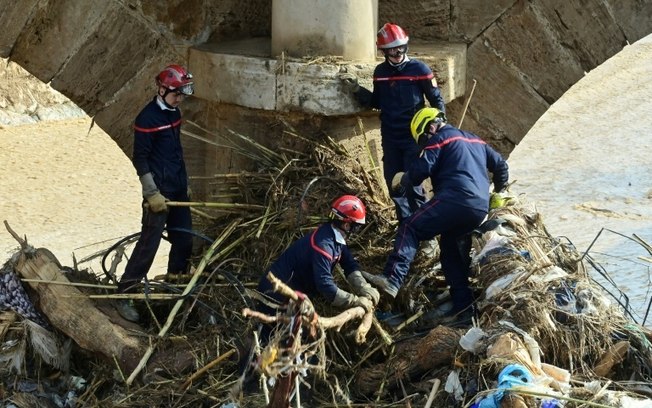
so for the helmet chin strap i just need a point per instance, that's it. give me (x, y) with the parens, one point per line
(167, 91)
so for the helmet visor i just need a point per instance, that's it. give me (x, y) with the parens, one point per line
(187, 89)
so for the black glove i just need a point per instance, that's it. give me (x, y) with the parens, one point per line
(349, 82)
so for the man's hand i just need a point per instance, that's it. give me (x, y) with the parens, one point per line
(396, 181)
(349, 82)
(363, 288)
(157, 202)
(345, 299)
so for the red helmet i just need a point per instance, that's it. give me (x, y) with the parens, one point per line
(391, 36)
(176, 78)
(349, 208)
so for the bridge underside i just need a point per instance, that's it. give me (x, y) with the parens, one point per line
(521, 56)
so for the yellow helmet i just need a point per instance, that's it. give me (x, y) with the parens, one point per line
(422, 119)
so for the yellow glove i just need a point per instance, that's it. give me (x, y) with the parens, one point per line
(499, 200)
(396, 180)
(157, 202)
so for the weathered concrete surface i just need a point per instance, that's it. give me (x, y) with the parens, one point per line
(316, 27)
(241, 73)
(523, 54)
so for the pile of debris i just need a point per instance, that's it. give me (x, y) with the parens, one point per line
(544, 334)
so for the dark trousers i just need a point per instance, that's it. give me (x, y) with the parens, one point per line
(450, 220)
(397, 157)
(153, 225)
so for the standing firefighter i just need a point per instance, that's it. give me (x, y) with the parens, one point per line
(159, 163)
(456, 162)
(399, 87)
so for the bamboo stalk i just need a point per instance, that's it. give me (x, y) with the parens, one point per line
(214, 205)
(136, 296)
(431, 398)
(205, 368)
(466, 104)
(525, 391)
(408, 321)
(82, 285)
(195, 277)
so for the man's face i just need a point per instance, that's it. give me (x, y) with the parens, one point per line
(174, 98)
(396, 54)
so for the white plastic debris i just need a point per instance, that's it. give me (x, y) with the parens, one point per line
(471, 339)
(499, 285)
(453, 385)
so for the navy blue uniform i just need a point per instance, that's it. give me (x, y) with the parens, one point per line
(457, 164)
(399, 93)
(157, 150)
(308, 264)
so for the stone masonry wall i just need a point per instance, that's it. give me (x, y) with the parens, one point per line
(523, 54)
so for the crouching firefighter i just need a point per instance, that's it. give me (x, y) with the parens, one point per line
(307, 264)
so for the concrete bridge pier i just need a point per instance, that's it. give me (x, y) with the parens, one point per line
(347, 28)
(251, 85)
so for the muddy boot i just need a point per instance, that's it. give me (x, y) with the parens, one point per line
(127, 310)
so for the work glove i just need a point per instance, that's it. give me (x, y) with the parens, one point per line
(344, 299)
(157, 202)
(148, 184)
(349, 82)
(499, 199)
(362, 288)
(396, 181)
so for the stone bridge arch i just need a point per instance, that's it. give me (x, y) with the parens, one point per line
(523, 54)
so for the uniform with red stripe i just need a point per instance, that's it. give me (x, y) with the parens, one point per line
(157, 149)
(457, 163)
(400, 88)
(159, 163)
(399, 92)
(308, 264)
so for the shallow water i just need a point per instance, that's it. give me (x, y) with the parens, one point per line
(587, 166)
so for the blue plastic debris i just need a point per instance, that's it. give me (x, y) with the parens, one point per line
(512, 375)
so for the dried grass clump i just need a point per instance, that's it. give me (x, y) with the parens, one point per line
(547, 292)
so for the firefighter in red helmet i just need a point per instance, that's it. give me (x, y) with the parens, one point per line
(158, 159)
(307, 264)
(401, 85)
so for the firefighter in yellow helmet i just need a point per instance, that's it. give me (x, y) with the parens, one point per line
(456, 163)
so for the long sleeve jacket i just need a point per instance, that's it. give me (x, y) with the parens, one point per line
(457, 163)
(157, 148)
(399, 93)
(308, 264)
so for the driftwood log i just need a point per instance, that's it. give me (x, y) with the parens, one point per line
(411, 359)
(74, 314)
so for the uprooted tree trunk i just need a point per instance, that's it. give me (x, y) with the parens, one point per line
(412, 359)
(74, 314)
